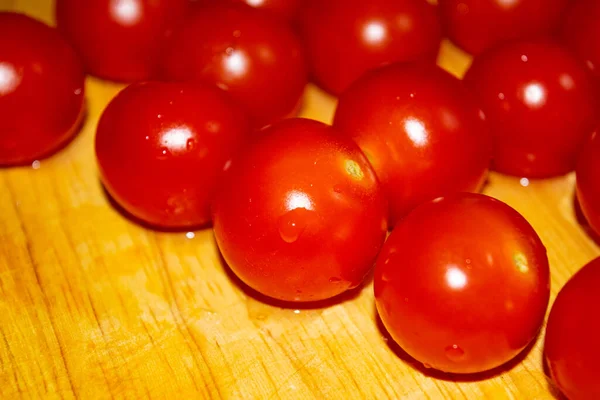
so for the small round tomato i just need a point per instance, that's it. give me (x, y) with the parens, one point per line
(421, 130)
(301, 215)
(588, 182)
(572, 347)
(162, 148)
(462, 283)
(477, 25)
(345, 39)
(41, 90)
(119, 40)
(255, 57)
(541, 105)
(582, 32)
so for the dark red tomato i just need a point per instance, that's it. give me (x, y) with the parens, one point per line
(582, 32)
(162, 148)
(422, 131)
(588, 182)
(301, 216)
(247, 52)
(462, 283)
(344, 39)
(572, 347)
(477, 25)
(540, 103)
(41, 90)
(119, 40)
(285, 8)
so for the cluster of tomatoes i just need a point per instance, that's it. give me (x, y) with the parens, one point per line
(300, 209)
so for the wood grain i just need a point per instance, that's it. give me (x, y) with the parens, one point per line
(93, 306)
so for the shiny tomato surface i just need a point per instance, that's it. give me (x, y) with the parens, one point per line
(344, 39)
(462, 283)
(301, 215)
(581, 31)
(247, 52)
(162, 148)
(572, 347)
(41, 90)
(588, 181)
(422, 131)
(541, 105)
(477, 25)
(119, 40)
(283, 8)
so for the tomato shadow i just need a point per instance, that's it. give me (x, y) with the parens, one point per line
(132, 218)
(583, 221)
(446, 376)
(552, 388)
(348, 295)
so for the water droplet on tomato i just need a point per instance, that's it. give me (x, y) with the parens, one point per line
(293, 223)
(190, 144)
(426, 365)
(455, 353)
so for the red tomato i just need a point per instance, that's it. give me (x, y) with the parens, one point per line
(119, 40)
(301, 216)
(582, 32)
(344, 39)
(572, 347)
(588, 182)
(285, 8)
(540, 103)
(421, 130)
(462, 284)
(477, 25)
(41, 90)
(255, 57)
(162, 147)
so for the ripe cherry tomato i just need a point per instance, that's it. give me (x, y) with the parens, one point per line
(462, 283)
(588, 182)
(477, 25)
(422, 131)
(301, 215)
(41, 90)
(255, 57)
(541, 105)
(582, 32)
(162, 147)
(285, 8)
(119, 40)
(344, 39)
(572, 347)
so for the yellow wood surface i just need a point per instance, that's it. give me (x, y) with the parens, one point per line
(93, 306)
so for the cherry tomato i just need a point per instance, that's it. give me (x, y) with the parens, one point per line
(119, 40)
(582, 32)
(588, 182)
(462, 283)
(284, 8)
(301, 215)
(477, 25)
(344, 39)
(421, 130)
(41, 90)
(255, 57)
(540, 103)
(572, 347)
(162, 147)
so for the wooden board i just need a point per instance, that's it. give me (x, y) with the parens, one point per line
(93, 306)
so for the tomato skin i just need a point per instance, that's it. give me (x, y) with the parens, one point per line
(255, 57)
(581, 32)
(301, 215)
(162, 147)
(41, 90)
(460, 295)
(541, 105)
(421, 130)
(287, 9)
(588, 182)
(477, 25)
(572, 349)
(345, 39)
(119, 40)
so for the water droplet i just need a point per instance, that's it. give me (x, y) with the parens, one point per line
(501, 96)
(237, 33)
(296, 311)
(147, 138)
(222, 86)
(227, 165)
(292, 224)
(468, 261)
(412, 95)
(335, 279)
(426, 365)
(159, 116)
(190, 235)
(385, 339)
(454, 353)
(337, 188)
(482, 115)
(229, 50)
(77, 91)
(524, 182)
(171, 102)
(190, 144)
(36, 164)
(524, 58)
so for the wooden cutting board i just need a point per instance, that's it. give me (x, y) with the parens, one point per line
(93, 306)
